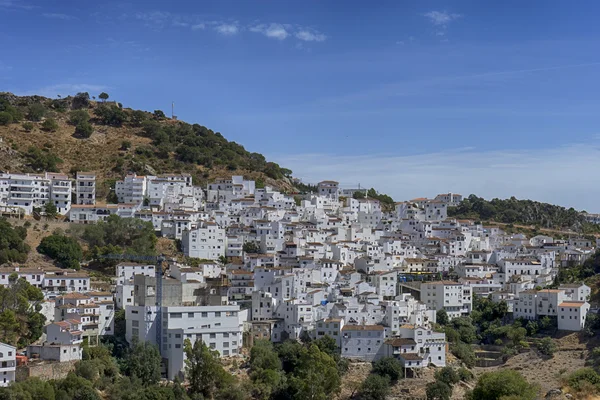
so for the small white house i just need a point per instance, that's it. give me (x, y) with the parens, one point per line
(8, 364)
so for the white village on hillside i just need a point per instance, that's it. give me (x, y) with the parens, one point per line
(286, 266)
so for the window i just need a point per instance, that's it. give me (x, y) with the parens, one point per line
(190, 315)
(204, 315)
(217, 314)
(213, 335)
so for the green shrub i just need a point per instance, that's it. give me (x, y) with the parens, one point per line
(5, 118)
(546, 346)
(579, 378)
(36, 112)
(27, 126)
(50, 125)
(76, 117)
(84, 129)
(64, 250)
(388, 366)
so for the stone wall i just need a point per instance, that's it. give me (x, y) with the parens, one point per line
(45, 370)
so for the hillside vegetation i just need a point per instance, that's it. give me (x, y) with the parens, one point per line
(525, 212)
(80, 134)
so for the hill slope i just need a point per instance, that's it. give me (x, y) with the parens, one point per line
(115, 141)
(526, 212)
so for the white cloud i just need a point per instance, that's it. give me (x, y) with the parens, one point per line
(65, 89)
(64, 17)
(273, 31)
(441, 18)
(197, 27)
(180, 24)
(310, 36)
(227, 29)
(15, 4)
(562, 175)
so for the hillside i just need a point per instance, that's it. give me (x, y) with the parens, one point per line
(523, 212)
(80, 134)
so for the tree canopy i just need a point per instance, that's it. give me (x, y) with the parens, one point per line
(525, 212)
(64, 250)
(12, 244)
(502, 384)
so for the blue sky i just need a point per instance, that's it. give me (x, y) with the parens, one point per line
(413, 98)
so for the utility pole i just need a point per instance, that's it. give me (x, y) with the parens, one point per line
(172, 110)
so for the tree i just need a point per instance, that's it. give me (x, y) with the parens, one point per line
(50, 210)
(30, 389)
(359, 194)
(438, 390)
(65, 250)
(463, 352)
(158, 114)
(103, 96)
(5, 118)
(547, 346)
(125, 145)
(501, 384)
(143, 361)
(42, 160)
(137, 118)
(36, 112)
(111, 115)
(81, 100)
(448, 375)
(76, 117)
(251, 248)
(265, 370)
(388, 366)
(517, 335)
(375, 387)
(316, 376)
(203, 369)
(84, 129)
(12, 245)
(50, 125)
(441, 317)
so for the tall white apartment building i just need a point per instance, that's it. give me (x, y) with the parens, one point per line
(207, 242)
(85, 188)
(454, 297)
(132, 189)
(220, 327)
(8, 364)
(27, 191)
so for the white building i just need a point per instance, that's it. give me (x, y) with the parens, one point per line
(29, 191)
(207, 242)
(363, 342)
(454, 297)
(85, 188)
(220, 327)
(8, 364)
(132, 189)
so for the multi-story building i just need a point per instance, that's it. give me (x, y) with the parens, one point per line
(207, 242)
(570, 314)
(29, 191)
(220, 325)
(329, 189)
(95, 311)
(364, 342)
(85, 188)
(454, 297)
(132, 189)
(8, 364)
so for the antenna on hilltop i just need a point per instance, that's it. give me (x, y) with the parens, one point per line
(172, 110)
